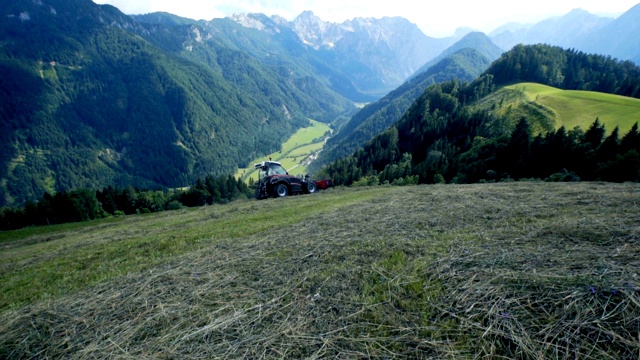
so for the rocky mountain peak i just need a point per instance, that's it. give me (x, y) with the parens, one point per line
(248, 20)
(307, 16)
(315, 32)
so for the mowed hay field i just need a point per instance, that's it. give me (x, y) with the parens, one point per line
(524, 270)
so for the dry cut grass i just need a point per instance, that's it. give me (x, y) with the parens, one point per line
(518, 271)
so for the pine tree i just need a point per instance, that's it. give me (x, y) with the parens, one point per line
(609, 148)
(631, 140)
(594, 135)
(518, 149)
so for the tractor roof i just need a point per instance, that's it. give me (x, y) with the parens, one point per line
(266, 163)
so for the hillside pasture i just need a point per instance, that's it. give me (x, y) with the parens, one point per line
(526, 270)
(580, 108)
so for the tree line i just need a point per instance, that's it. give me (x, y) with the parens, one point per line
(567, 69)
(561, 155)
(445, 137)
(86, 204)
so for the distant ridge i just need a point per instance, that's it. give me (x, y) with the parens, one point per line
(473, 40)
(464, 61)
(579, 30)
(618, 38)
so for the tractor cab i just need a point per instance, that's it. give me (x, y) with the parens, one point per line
(270, 168)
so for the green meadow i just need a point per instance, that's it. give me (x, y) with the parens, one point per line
(580, 108)
(295, 151)
(521, 270)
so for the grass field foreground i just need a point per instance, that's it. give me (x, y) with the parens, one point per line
(524, 270)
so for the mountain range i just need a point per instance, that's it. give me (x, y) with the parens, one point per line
(579, 30)
(465, 60)
(363, 59)
(92, 97)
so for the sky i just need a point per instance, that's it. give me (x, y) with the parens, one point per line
(436, 18)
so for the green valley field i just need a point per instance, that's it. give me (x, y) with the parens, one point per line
(573, 108)
(526, 270)
(295, 152)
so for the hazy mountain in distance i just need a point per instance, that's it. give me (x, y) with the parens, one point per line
(376, 54)
(579, 30)
(562, 31)
(620, 38)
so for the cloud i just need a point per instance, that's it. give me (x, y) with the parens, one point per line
(436, 18)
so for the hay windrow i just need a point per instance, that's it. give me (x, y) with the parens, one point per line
(522, 270)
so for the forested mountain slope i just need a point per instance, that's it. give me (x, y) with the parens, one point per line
(269, 40)
(465, 61)
(447, 136)
(464, 65)
(88, 102)
(567, 69)
(474, 40)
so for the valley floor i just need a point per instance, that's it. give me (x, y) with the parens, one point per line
(523, 270)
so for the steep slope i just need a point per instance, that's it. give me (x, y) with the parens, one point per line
(473, 40)
(377, 55)
(619, 38)
(465, 60)
(548, 108)
(272, 40)
(257, 54)
(87, 102)
(464, 65)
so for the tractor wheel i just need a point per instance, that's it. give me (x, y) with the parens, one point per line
(281, 190)
(311, 187)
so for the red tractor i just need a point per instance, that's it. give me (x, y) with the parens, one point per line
(275, 181)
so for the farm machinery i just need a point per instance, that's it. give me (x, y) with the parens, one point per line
(275, 181)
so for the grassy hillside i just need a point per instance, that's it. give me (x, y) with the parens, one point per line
(580, 108)
(548, 108)
(295, 151)
(514, 270)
